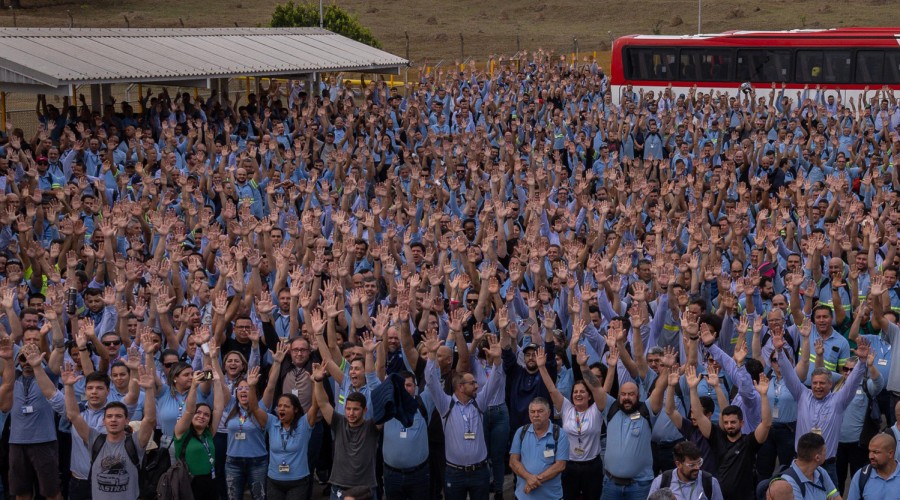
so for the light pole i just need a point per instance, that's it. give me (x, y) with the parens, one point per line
(321, 15)
(699, 14)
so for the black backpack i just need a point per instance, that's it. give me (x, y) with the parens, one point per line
(782, 472)
(156, 464)
(864, 474)
(706, 480)
(130, 450)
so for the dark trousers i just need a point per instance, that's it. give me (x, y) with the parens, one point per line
(413, 485)
(313, 452)
(662, 456)
(436, 461)
(474, 484)
(849, 456)
(204, 487)
(221, 442)
(583, 479)
(289, 490)
(79, 489)
(780, 445)
(496, 431)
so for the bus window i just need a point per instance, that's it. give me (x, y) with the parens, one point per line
(651, 63)
(818, 66)
(891, 67)
(705, 65)
(869, 66)
(763, 65)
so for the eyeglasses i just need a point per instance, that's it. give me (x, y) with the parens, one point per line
(845, 369)
(111, 343)
(242, 388)
(299, 350)
(694, 465)
(170, 364)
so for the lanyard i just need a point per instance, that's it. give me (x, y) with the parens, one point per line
(681, 489)
(242, 417)
(206, 447)
(284, 438)
(578, 421)
(180, 401)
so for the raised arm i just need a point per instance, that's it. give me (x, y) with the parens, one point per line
(190, 406)
(549, 383)
(252, 401)
(704, 424)
(761, 433)
(671, 410)
(148, 423)
(593, 383)
(73, 413)
(318, 376)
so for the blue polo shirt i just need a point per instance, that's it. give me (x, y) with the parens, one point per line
(288, 448)
(628, 454)
(246, 438)
(407, 447)
(820, 488)
(876, 486)
(537, 455)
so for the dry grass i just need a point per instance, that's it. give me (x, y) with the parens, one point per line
(487, 27)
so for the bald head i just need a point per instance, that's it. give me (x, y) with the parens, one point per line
(629, 396)
(780, 490)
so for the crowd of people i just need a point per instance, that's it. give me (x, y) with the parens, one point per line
(424, 292)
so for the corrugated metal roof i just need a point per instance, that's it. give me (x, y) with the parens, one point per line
(59, 56)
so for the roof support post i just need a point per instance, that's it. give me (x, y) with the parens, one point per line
(96, 101)
(105, 94)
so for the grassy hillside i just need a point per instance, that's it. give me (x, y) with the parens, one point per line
(487, 26)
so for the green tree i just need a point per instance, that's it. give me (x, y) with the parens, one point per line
(305, 14)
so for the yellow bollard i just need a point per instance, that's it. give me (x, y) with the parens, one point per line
(196, 94)
(247, 79)
(595, 55)
(492, 68)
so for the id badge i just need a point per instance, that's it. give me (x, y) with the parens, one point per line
(469, 436)
(295, 392)
(549, 453)
(635, 416)
(284, 468)
(240, 436)
(882, 362)
(775, 412)
(579, 452)
(816, 430)
(27, 409)
(402, 433)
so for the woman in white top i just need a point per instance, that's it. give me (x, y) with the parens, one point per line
(582, 422)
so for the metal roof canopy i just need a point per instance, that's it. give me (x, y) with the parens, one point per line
(50, 60)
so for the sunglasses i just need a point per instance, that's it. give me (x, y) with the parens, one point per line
(170, 364)
(111, 343)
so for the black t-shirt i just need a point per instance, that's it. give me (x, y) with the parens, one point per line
(693, 434)
(736, 473)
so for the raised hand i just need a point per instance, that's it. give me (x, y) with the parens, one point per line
(540, 357)
(253, 376)
(318, 372)
(68, 376)
(762, 387)
(691, 377)
(280, 352)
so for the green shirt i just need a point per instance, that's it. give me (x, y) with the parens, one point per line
(199, 458)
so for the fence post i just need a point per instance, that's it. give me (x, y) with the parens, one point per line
(3, 111)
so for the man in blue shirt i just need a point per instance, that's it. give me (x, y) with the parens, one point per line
(816, 484)
(883, 471)
(405, 450)
(538, 455)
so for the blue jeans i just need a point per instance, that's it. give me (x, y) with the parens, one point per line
(476, 484)
(409, 485)
(496, 435)
(241, 472)
(638, 490)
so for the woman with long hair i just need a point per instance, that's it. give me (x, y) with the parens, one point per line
(194, 438)
(247, 458)
(582, 421)
(289, 433)
(234, 368)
